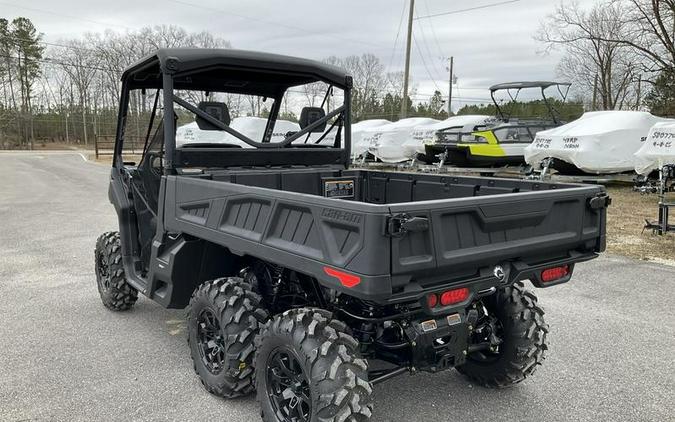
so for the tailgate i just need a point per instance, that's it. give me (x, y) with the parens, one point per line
(470, 233)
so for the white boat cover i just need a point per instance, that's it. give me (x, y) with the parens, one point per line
(386, 142)
(359, 145)
(598, 142)
(425, 134)
(253, 127)
(658, 150)
(329, 139)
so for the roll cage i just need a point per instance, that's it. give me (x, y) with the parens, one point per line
(562, 87)
(237, 72)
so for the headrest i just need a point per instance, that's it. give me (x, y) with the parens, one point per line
(215, 109)
(309, 115)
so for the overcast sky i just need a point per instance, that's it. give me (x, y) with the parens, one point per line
(490, 45)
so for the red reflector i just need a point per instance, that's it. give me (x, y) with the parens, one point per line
(555, 273)
(347, 280)
(454, 296)
(432, 300)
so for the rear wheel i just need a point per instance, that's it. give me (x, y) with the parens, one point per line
(116, 294)
(308, 369)
(223, 318)
(512, 321)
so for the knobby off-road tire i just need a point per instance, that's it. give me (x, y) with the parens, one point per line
(524, 340)
(223, 318)
(115, 293)
(329, 379)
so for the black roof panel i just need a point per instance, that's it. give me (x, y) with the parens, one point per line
(527, 84)
(288, 71)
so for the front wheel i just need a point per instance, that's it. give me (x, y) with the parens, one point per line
(512, 321)
(308, 368)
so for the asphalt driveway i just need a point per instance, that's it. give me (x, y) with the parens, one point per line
(64, 357)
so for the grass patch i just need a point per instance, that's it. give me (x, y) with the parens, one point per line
(625, 220)
(107, 159)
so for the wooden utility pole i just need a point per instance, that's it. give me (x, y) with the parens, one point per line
(639, 93)
(406, 73)
(450, 88)
(595, 93)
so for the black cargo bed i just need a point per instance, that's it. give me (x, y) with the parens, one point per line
(471, 225)
(378, 187)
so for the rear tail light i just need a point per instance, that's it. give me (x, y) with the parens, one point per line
(449, 297)
(454, 296)
(555, 273)
(346, 279)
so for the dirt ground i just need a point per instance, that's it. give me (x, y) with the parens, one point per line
(625, 220)
(40, 145)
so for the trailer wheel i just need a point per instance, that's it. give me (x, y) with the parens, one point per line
(116, 294)
(514, 317)
(223, 318)
(308, 368)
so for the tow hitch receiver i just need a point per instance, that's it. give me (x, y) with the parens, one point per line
(440, 343)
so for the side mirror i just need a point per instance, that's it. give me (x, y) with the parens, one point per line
(217, 110)
(309, 115)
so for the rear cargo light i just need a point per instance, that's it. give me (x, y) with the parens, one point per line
(346, 279)
(451, 297)
(555, 273)
(432, 300)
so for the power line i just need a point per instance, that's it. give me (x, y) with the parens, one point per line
(51, 61)
(267, 22)
(398, 33)
(73, 47)
(423, 40)
(49, 12)
(424, 62)
(433, 31)
(452, 12)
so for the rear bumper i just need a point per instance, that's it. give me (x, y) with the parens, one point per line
(482, 283)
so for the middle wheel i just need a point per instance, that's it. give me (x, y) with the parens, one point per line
(308, 368)
(223, 319)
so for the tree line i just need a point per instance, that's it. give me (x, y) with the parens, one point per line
(68, 91)
(619, 54)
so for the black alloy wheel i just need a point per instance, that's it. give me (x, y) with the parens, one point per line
(211, 343)
(288, 386)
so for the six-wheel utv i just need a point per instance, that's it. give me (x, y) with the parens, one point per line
(309, 281)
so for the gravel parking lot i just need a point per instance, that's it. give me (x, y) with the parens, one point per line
(64, 357)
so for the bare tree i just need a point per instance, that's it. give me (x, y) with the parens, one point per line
(395, 82)
(78, 62)
(592, 59)
(650, 32)
(314, 91)
(369, 81)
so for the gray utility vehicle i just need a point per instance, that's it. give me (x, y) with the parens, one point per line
(310, 282)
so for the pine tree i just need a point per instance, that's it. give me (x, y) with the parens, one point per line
(661, 99)
(6, 77)
(28, 51)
